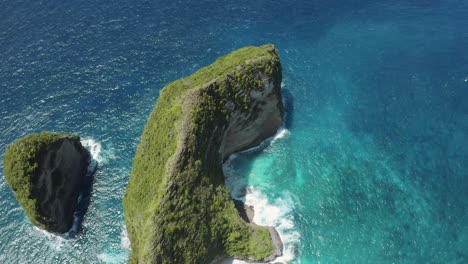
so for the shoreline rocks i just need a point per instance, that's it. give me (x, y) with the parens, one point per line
(247, 213)
(277, 244)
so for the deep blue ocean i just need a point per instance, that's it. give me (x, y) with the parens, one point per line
(371, 165)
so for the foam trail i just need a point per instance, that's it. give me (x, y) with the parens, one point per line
(124, 240)
(55, 241)
(94, 148)
(276, 213)
(76, 221)
(282, 132)
(116, 255)
(112, 257)
(49, 235)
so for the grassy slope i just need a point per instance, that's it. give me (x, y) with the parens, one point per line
(177, 208)
(20, 164)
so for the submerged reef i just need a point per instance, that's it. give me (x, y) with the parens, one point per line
(46, 172)
(177, 207)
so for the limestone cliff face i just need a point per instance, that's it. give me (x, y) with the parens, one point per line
(248, 129)
(177, 208)
(46, 172)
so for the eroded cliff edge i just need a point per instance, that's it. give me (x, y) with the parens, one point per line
(177, 207)
(46, 172)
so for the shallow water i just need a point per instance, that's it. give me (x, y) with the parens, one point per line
(372, 165)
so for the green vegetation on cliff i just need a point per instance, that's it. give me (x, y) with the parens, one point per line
(21, 163)
(177, 207)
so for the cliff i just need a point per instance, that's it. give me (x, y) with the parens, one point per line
(46, 172)
(177, 208)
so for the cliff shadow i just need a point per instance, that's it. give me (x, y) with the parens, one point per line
(288, 104)
(84, 199)
(238, 166)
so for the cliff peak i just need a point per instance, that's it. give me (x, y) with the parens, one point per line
(177, 207)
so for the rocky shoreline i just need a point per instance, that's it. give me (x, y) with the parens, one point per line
(247, 213)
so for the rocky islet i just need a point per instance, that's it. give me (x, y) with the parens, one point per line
(46, 172)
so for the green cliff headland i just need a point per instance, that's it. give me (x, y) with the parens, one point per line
(177, 207)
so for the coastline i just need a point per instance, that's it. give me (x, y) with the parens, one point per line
(251, 209)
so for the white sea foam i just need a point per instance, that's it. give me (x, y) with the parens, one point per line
(76, 219)
(277, 213)
(94, 148)
(112, 258)
(49, 235)
(282, 132)
(106, 258)
(124, 240)
(54, 241)
(116, 255)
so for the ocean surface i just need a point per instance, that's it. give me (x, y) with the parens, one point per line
(370, 166)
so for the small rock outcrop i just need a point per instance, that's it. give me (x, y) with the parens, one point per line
(247, 213)
(46, 172)
(177, 207)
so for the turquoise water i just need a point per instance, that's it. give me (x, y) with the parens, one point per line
(370, 167)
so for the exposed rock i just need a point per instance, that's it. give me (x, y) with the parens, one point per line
(246, 212)
(277, 244)
(46, 172)
(177, 207)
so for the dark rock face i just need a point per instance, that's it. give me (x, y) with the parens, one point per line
(47, 172)
(246, 212)
(62, 170)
